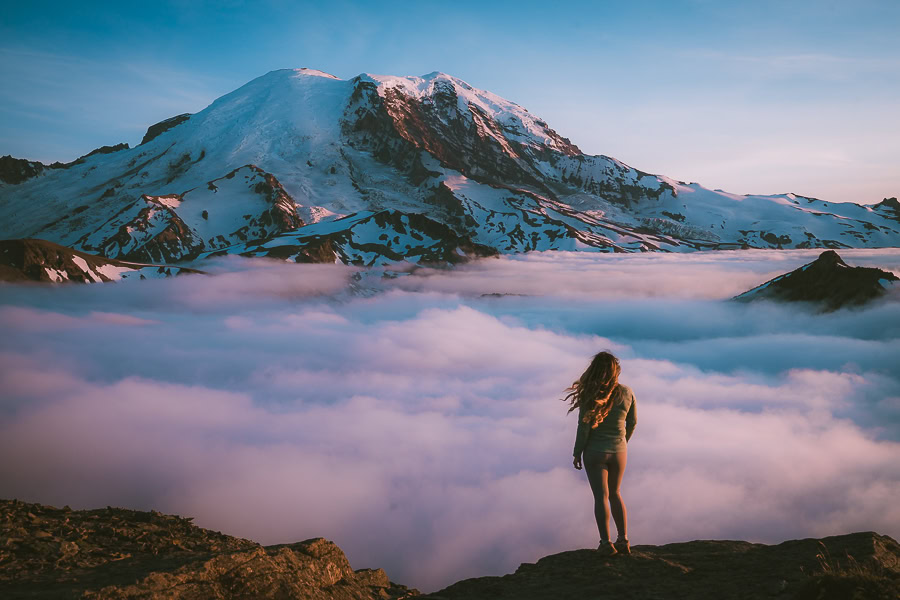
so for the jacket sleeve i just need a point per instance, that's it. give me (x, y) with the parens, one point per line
(581, 435)
(631, 418)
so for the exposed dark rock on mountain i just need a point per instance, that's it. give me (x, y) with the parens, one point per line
(827, 282)
(467, 139)
(705, 569)
(17, 170)
(42, 261)
(81, 159)
(163, 126)
(100, 150)
(246, 204)
(366, 239)
(116, 553)
(890, 207)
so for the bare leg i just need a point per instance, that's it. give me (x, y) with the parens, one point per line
(596, 468)
(616, 468)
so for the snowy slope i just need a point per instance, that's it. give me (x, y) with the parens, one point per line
(39, 260)
(297, 149)
(368, 239)
(248, 203)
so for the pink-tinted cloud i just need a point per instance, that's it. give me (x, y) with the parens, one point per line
(421, 428)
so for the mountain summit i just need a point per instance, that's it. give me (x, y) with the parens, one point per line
(302, 165)
(828, 282)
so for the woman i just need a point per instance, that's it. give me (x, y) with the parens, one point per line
(606, 420)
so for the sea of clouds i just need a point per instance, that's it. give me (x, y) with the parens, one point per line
(415, 418)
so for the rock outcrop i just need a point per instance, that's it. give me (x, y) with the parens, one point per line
(42, 261)
(48, 552)
(369, 239)
(827, 282)
(246, 204)
(859, 565)
(16, 170)
(163, 126)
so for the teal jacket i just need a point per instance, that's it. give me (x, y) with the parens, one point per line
(613, 433)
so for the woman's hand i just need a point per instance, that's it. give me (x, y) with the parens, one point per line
(577, 463)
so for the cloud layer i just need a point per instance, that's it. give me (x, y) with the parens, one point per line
(416, 422)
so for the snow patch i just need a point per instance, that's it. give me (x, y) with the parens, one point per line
(169, 201)
(112, 272)
(314, 73)
(56, 275)
(82, 264)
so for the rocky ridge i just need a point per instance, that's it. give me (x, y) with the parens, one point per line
(827, 282)
(42, 261)
(859, 565)
(48, 552)
(316, 150)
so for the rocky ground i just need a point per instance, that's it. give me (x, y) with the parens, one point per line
(859, 565)
(48, 552)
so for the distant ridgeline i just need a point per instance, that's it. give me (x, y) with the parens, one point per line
(118, 553)
(302, 166)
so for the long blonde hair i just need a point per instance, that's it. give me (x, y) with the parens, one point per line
(594, 390)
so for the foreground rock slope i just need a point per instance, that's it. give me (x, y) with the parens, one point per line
(48, 552)
(813, 569)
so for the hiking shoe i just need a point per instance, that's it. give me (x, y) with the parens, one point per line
(606, 549)
(622, 546)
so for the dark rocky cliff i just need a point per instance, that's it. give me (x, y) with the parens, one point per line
(48, 552)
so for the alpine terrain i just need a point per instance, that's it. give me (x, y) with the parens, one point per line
(302, 166)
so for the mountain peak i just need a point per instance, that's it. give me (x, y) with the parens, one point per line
(892, 203)
(313, 73)
(827, 281)
(425, 85)
(830, 258)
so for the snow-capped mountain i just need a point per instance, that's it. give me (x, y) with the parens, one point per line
(301, 165)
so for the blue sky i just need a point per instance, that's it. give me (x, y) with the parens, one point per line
(751, 97)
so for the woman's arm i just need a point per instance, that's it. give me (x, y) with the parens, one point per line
(581, 436)
(631, 418)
